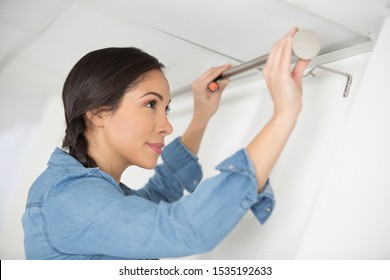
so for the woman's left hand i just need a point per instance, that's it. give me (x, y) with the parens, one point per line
(205, 102)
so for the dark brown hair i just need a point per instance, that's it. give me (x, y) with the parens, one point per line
(98, 81)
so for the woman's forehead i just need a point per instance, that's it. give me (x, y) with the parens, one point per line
(153, 82)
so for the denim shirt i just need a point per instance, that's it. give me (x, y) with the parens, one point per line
(73, 212)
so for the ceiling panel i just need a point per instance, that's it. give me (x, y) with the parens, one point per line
(237, 29)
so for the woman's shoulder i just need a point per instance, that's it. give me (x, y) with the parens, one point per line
(65, 177)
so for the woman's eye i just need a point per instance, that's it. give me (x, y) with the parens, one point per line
(151, 104)
(167, 110)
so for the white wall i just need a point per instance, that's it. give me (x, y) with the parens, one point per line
(351, 219)
(315, 179)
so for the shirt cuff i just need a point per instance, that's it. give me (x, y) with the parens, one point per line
(261, 204)
(184, 164)
(265, 204)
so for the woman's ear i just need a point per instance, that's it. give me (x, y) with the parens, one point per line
(96, 117)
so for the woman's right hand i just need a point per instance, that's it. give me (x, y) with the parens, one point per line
(206, 103)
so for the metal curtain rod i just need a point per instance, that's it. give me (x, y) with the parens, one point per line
(306, 45)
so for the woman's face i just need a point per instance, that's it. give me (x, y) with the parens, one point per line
(135, 132)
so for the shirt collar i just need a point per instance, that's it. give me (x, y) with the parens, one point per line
(60, 158)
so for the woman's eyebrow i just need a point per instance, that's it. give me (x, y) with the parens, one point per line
(159, 96)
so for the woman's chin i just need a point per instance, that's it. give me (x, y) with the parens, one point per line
(148, 165)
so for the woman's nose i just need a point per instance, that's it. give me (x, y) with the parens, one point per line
(165, 127)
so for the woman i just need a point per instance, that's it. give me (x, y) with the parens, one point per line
(115, 102)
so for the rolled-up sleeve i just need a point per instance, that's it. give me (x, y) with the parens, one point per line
(184, 164)
(261, 204)
(179, 171)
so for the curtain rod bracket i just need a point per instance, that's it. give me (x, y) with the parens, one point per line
(347, 84)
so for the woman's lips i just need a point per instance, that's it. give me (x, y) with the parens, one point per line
(157, 147)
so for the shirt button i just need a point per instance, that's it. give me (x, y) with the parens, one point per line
(195, 182)
(231, 167)
(268, 209)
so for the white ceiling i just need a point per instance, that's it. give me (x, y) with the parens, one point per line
(42, 39)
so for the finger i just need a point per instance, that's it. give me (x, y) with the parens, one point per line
(292, 31)
(286, 53)
(276, 56)
(213, 79)
(213, 73)
(217, 85)
(272, 60)
(299, 68)
(223, 84)
(286, 48)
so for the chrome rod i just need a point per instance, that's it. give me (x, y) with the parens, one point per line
(306, 45)
(251, 64)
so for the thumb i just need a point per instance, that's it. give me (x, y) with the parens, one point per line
(299, 68)
(223, 84)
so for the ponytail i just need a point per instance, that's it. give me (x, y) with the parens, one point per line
(77, 144)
